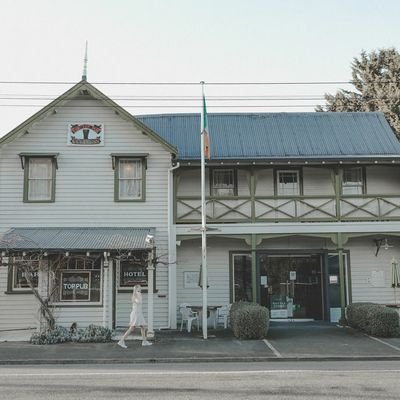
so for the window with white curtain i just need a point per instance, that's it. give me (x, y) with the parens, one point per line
(288, 183)
(353, 181)
(129, 179)
(40, 179)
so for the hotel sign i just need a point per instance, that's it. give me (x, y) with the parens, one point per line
(132, 273)
(86, 134)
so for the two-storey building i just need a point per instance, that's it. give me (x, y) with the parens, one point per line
(302, 211)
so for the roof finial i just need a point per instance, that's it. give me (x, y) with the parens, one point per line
(85, 60)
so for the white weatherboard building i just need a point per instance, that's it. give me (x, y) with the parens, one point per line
(302, 211)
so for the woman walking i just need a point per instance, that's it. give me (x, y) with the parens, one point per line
(136, 318)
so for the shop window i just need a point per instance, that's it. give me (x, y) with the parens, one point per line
(242, 289)
(288, 183)
(129, 179)
(353, 181)
(39, 178)
(78, 279)
(19, 271)
(133, 271)
(223, 182)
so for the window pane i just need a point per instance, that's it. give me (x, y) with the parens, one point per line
(40, 179)
(130, 189)
(352, 181)
(288, 183)
(39, 189)
(130, 169)
(223, 183)
(83, 284)
(40, 168)
(130, 179)
(242, 289)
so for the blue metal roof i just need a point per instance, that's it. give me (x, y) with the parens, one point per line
(279, 135)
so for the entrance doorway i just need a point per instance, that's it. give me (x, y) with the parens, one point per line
(290, 286)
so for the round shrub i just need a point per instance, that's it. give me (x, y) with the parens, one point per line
(249, 320)
(374, 319)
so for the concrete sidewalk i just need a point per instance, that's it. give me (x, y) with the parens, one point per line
(285, 341)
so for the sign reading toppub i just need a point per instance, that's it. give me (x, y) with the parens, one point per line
(86, 134)
(75, 285)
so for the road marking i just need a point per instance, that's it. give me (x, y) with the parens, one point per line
(180, 373)
(272, 348)
(385, 343)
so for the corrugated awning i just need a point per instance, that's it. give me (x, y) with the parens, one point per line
(75, 239)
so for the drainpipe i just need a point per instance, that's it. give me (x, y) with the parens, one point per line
(171, 254)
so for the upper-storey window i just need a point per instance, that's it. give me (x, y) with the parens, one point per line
(353, 181)
(39, 178)
(129, 178)
(223, 182)
(288, 183)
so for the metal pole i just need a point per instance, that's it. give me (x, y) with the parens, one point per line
(203, 226)
(150, 285)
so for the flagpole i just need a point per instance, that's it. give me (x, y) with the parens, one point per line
(203, 218)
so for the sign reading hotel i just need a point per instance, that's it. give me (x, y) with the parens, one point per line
(132, 274)
(86, 134)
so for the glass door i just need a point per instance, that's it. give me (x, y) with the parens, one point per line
(291, 285)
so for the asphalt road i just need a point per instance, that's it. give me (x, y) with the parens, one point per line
(278, 380)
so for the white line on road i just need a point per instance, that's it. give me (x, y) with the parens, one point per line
(272, 348)
(180, 373)
(385, 343)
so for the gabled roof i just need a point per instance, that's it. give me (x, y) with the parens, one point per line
(270, 136)
(84, 88)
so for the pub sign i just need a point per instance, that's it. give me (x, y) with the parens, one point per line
(86, 134)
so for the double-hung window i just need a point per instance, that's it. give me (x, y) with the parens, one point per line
(39, 178)
(288, 183)
(223, 182)
(353, 181)
(129, 177)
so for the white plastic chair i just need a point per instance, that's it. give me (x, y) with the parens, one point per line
(189, 316)
(222, 316)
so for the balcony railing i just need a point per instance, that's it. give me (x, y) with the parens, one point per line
(296, 209)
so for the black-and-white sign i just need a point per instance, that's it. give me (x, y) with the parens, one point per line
(86, 134)
(75, 285)
(132, 273)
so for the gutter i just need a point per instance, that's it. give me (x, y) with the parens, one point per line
(171, 251)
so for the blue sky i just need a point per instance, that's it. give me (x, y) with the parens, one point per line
(187, 40)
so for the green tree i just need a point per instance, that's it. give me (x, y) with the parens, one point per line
(376, 78)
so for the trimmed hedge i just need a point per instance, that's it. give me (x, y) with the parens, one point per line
(249, 320)
(91, 334)
(374, 319)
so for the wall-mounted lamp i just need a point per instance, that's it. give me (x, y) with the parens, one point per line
(381, 242)
(105, 262)
(23, 253)
(45, 253)
(67, 254)
(88, 254)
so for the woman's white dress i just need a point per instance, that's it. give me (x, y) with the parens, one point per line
(137, 318)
